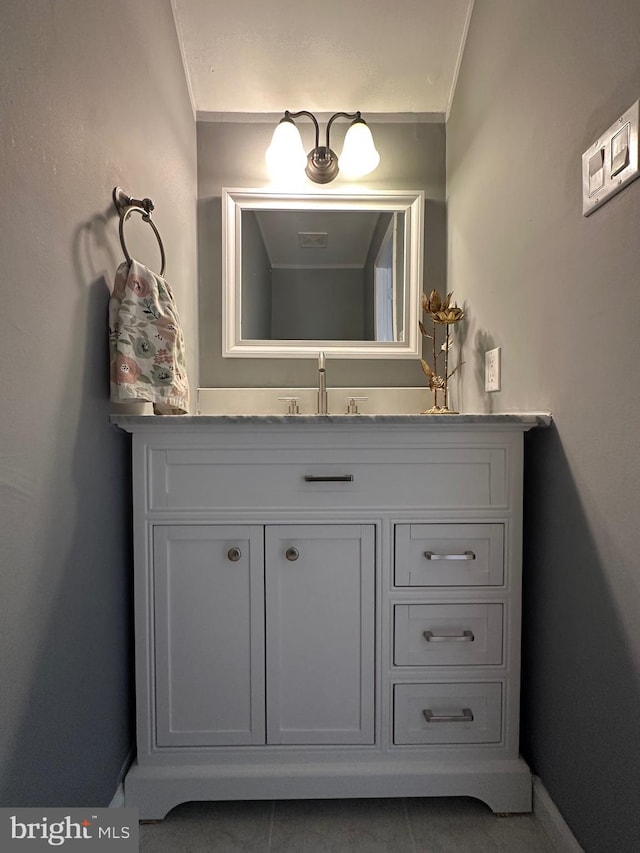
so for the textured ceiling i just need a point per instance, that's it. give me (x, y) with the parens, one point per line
(377, 56)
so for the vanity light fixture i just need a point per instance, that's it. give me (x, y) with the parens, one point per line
(286, 156)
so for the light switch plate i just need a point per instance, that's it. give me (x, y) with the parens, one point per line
(617, 150)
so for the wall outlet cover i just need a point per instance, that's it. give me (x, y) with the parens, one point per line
(492, 369)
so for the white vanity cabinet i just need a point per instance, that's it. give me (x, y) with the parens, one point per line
(327, 607)
(236, 607)
(208, 643)
(320, 634)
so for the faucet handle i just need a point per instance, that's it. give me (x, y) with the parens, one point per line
(352, 406)
(293, 408)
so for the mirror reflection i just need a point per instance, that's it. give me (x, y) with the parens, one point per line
(322, 275)
(333, 272)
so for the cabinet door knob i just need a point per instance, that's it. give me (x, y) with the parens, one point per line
(292, 554)
(234, 554)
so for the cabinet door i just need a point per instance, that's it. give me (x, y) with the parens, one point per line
(320, 597)
(209, 635)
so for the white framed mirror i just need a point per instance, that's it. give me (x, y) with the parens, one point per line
(339, 272)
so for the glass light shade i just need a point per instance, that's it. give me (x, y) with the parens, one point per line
(359, 155)
(285, 156)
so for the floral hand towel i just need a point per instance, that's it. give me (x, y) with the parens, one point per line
(146, 342)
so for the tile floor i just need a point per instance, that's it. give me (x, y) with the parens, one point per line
(437, 825)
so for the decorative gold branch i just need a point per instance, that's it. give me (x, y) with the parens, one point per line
(441, 313)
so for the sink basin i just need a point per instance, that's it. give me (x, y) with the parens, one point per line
(267, 401)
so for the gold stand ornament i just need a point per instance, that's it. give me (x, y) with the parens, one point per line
(441, 313)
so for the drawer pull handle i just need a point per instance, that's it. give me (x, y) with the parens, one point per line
(328, 478)
(466, 555)
(292, 554)
(465, 717)
(234, 554)
(465, 637)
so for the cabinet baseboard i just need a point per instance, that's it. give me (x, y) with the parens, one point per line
(554, 824)
(505, 786)
(117, 801)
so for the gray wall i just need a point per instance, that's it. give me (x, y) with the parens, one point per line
(559, 293)
(88, 100)
(317, 304)
(232, 155)
(256, 273)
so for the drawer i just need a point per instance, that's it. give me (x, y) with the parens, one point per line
(447, 713)
(306, 478)
(447, 634)
(449, 555)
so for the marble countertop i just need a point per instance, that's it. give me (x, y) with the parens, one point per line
(524, 419)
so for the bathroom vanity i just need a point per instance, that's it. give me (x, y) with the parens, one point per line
(327, 606)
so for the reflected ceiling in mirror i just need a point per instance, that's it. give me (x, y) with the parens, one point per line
(338, 272)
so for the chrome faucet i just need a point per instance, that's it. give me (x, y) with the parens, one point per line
(322, 384)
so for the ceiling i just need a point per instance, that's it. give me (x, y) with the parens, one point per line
(293, 239)
(376, 56)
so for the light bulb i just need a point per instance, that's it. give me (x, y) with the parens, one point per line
(359, 155)
(285, 156)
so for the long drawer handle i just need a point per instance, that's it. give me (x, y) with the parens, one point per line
(465, 637)
(328, 478)
(466, 555)
(465, 717)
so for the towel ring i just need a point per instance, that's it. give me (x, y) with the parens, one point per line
(125, 205)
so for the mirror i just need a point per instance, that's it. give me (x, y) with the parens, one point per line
(338, 272)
